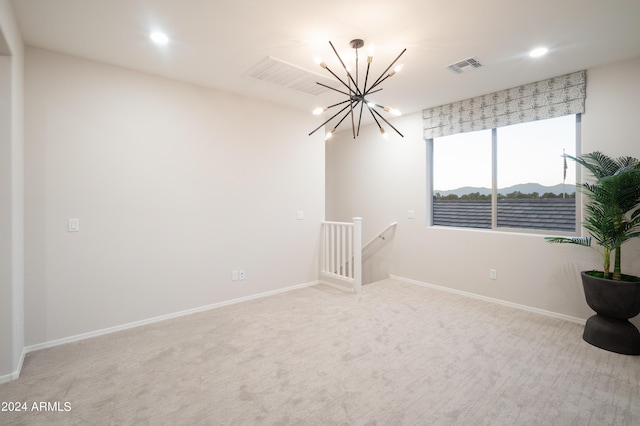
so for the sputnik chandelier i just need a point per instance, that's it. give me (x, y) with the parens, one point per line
(357, 96)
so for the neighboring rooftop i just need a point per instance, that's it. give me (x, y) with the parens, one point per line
(552, 214)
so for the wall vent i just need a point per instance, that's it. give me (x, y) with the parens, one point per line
(291, 76)
(466, 65)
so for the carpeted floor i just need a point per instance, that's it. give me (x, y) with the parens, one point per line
(396, 354)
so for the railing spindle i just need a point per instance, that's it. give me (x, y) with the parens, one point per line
(341, 251)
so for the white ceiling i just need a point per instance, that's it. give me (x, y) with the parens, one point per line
(214, 43)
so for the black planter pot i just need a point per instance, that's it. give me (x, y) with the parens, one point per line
(615, 302)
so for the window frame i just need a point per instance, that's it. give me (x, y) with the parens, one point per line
(494, 190)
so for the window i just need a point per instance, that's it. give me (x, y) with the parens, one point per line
(511, 177)
(462, 180)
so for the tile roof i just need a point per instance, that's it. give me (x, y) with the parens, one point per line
(553, 214)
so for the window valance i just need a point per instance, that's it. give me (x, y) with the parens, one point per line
(550, 98)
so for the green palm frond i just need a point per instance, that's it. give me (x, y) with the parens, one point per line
(628, 229)
(581, 241)
(612, 211)
(601, 165)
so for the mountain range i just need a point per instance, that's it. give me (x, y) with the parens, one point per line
(525, 188)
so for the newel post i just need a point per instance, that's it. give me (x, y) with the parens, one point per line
(357, 255)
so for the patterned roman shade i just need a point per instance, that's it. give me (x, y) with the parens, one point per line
(550, 98)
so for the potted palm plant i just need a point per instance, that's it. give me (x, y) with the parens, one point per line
(612, 217)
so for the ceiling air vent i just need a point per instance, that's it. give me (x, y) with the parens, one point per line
(291, 76)
(466, 65)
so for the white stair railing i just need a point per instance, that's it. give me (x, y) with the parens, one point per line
(341, 254)
(381, 235)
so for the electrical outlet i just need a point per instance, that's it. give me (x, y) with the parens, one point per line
(493, 274)
(241, 274)
(234, 275)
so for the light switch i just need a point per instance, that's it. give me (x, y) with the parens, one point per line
(300, 215)
(411, 214)
(74, 225)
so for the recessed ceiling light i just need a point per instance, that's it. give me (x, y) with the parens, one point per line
(539, 51)
(159, 38)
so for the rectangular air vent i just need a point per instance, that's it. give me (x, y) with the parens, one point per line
(291, 76)
(466, 65)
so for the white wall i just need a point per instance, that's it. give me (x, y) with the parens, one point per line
(381, 180)
(11, 196)
(175, 186)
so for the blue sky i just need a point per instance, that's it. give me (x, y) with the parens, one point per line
(527, 153)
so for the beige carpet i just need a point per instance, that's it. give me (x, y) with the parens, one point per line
(396, 354)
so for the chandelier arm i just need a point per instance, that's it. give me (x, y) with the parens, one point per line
(339, 103)
(340, 80)
(385, 120)
(366, 77)
(345, 68)
(332, 117)
(334, 89)
(388, 68)
(374, 117)
(360, 118)
(372, 91)
(381, 81)
(345, 116)
(353, 126)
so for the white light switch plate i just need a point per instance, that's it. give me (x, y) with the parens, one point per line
(300, 215)
(74, 225)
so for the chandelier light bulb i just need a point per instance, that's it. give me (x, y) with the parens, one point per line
(395, 70)
(392, 111)
(371, 104)
(330, 134)
(370, 50)
(349, 56)
(319, 110)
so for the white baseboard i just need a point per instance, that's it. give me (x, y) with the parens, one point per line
(16, 374)
(122, 327)
(492, 300)
(337, 286)
(6, 378)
